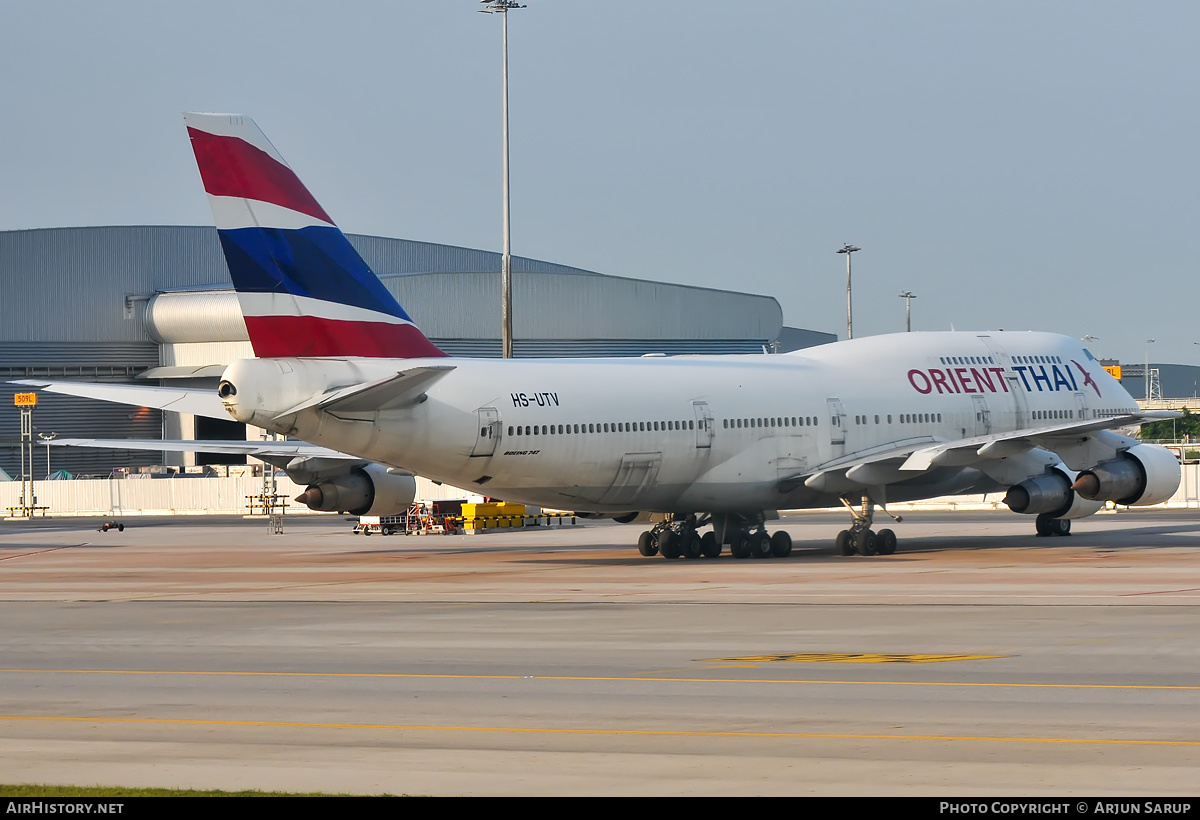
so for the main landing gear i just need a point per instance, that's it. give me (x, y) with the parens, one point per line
(678, 538)
(860, 538)
(1048, 525)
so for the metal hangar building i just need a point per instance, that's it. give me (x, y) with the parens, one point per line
(127, 303)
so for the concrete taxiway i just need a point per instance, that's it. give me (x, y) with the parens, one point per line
(978, 660)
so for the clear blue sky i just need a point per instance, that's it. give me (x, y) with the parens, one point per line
(1024, 165)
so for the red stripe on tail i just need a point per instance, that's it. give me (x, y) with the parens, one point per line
(297, 336)
(233, 167)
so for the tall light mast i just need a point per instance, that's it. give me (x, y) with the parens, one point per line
(502, 7)
(908, 296)
(849, 249)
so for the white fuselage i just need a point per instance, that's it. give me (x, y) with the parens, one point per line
(692, 433)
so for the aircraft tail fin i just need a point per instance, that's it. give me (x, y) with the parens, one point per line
(303, 288)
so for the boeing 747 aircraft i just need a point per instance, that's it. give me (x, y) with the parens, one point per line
(706, 441)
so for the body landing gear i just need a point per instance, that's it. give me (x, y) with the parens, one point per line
(1048, 525)
(860, 538)
(677, 537)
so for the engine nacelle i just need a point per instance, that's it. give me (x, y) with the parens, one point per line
(1143, 475)
(1050, 494)
(369, 490)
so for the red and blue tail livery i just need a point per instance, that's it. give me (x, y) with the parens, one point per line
(303, 289)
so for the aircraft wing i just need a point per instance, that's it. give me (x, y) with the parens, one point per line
(180, 400)
(901, 460)
(1054, 438)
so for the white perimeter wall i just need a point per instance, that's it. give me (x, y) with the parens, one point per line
(177, 496)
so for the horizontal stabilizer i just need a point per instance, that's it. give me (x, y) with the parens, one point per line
(389, 393)
(257, 449)
(204, 403)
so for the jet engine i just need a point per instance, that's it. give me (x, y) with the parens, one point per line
(1144, 474)
(1050, 494)
(367, 490)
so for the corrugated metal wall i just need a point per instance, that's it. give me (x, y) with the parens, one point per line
(71, 284)
(72, 417)
(547, 307)
(91, 284)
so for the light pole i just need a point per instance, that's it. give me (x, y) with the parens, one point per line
(47, 439)
(1147, 373)
(501, 7)
(908, 296)
(849, 249)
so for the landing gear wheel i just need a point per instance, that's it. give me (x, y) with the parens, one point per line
(844, 543)
(1046, 525)
(760, 545)
(691, 546)
(710, 546)
(646, 545)
(885, 542)
(781, 544)
(864, 541)
(668, 544)
(740, 548)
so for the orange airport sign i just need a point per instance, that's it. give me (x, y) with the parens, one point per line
(1114, 371)
(25, 400)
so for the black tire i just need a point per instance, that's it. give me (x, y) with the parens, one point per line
(386, 531)
(864, 542)
(668, 544)
(691, 546)
(781, 544)
(844, 543)
(1062, 526)
(740, 548)
(710, 546)
(646, 545)
(121, 527)
(885, 542)
(1043, 526)
(760, 545)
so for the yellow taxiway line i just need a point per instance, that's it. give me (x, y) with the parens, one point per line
(609, 679)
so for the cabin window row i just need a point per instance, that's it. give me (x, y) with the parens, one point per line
(778, 421)
(1049, 415)
(608, 427)
(905, 418)
(967, 360)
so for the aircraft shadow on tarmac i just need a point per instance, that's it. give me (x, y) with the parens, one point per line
(1109, 541)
